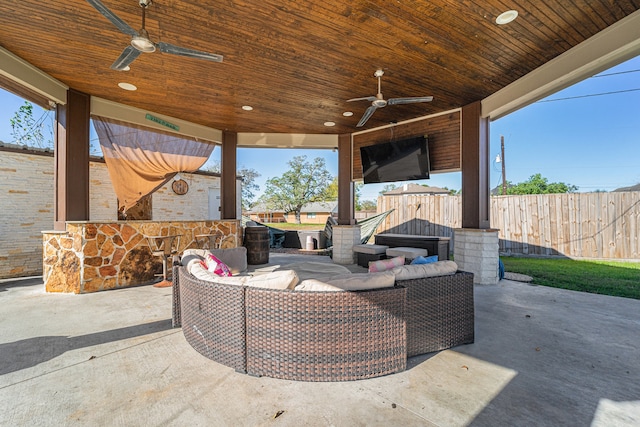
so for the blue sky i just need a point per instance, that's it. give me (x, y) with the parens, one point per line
(591, 140)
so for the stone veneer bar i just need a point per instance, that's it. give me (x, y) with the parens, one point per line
(96, 256)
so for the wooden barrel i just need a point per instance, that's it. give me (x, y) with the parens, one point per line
(256, 240)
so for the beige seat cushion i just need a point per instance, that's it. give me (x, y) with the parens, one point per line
(370, 249)
(409, 253)
(283, 279)
(199, 271)
(315, 270)
(362, 281)
(417, 271)
(316, 286)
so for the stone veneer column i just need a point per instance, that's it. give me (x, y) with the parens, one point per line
(476, 251)
(344, 237)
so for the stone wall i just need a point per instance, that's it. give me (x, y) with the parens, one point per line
(27, 203)
(97, 256)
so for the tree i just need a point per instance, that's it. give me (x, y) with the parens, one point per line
(452, 191)
(387, 187)
(26, 130)
(332, 192)
(537, 184)
(368, 205)
(249, 186)
(303, 183)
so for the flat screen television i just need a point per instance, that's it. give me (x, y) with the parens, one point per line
(402, 160)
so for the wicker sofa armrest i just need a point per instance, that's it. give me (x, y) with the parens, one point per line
(212, 316)
(439, 312)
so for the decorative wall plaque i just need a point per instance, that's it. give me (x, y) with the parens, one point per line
(180, 187)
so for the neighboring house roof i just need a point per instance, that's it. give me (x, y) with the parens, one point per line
(261, 208)
(632, 188)
(320, 207)
(415, 189)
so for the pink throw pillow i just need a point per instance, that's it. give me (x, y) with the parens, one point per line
(385, 264)
(216, 266)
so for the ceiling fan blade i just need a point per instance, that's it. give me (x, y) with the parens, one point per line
(191, 53)
(122, 26)
(413, 100)
(366, 98)
(126, 57)
(366, 116)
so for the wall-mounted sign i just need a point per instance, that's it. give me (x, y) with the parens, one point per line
(162, 122)
(180, 187)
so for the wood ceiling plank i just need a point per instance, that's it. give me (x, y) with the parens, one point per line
(298, 62)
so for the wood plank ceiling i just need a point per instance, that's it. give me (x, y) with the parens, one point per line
(297, 62)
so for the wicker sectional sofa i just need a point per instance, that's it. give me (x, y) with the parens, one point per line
(323, 335)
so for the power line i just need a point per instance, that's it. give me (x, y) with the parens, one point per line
(615, 74)
(590, 95)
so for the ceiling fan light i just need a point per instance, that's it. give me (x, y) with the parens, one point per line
(143, 44)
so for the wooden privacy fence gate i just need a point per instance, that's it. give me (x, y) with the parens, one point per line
(581, 225)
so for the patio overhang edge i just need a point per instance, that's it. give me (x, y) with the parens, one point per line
(22, 72)
(611, 46)
(287, 140)
(113, 110)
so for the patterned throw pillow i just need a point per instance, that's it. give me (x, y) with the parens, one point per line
(216, 266)
(385, 264)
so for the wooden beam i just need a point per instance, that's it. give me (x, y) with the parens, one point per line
(71, 160)
(346, 208)
(228, 197)
(475, 168)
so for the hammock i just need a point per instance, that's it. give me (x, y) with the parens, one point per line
(368, 226)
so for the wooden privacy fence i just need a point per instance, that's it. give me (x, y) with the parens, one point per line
(581, 225)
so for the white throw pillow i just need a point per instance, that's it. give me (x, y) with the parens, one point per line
(417, 271)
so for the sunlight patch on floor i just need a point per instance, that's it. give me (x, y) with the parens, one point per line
(451, 388)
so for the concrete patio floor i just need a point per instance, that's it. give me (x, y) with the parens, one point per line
(542, 357)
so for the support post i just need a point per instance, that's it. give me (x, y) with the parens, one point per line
(71, 160)
(476, 244)
(475, 168)
(228, 180)
(346, 202)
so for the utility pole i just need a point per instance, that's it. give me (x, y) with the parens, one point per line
(504, 175)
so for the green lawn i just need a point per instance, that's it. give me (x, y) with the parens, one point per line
(599, 277)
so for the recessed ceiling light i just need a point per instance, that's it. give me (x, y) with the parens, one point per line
(247, 107)
(506, 17)
(127, 68)
(348, 113)
(127, 86)
(329, 124)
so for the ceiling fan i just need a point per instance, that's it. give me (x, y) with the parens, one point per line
(140, 41)
(378, 101)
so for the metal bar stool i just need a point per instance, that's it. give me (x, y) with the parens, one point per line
(208, 241)
(165, 247)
